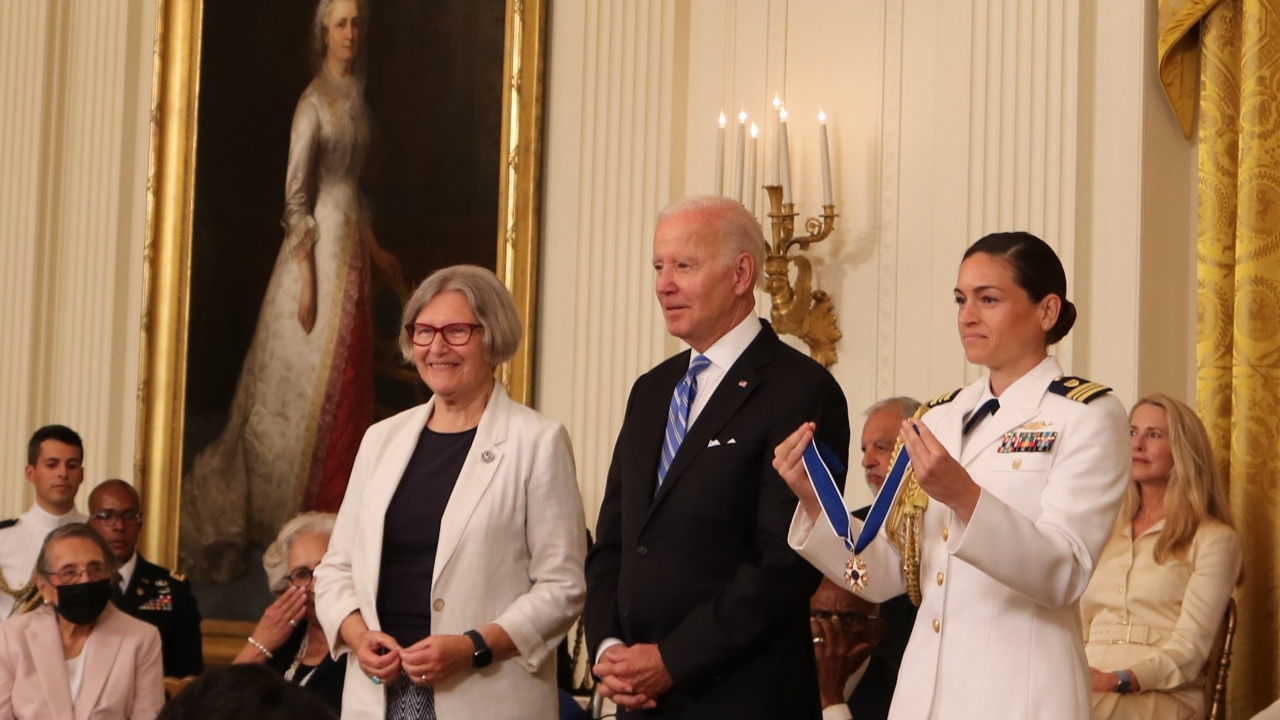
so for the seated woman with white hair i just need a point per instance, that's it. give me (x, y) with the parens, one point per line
(78, 657)
(288, 638)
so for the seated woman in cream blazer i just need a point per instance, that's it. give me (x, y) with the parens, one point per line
(1164, 579)
(456, 564)
(78, 657)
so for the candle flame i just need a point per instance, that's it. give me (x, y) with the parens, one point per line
(777, 102)
(754, 130)
(742, 116)
(782, 114)
(822, 116)
(722, 120)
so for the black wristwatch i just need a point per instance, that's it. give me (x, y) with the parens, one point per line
(483, 655)
(1124, 685)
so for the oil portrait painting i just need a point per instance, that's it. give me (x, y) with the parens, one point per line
(346, 149)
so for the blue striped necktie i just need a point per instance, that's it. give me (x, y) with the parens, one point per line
(678, 416)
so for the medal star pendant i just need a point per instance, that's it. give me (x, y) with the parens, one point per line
(855, 573)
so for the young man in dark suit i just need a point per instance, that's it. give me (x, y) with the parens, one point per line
(696, 606)
(148, 592)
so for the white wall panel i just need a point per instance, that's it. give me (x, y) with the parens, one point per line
(24, 71)
(76, 81)
(610, 129)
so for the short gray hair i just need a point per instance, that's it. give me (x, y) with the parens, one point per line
(490, 302)
(903, 405)
(738, 229)
(74, 530)
(276, 559)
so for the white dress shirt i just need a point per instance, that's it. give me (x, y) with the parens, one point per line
(723, 353)
(75, 671)
(126, 571)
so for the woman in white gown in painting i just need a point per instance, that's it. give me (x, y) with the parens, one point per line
(305, 395)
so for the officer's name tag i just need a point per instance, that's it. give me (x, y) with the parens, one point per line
(1028, 441)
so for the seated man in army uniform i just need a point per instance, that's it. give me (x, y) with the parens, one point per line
(55, 469)
(148, 592)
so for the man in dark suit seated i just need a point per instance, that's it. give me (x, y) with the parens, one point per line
(146, 591)
(696, 606)
(853, 682)
(879, 435)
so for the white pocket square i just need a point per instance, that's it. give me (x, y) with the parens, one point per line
(731, 441)
(713, 443)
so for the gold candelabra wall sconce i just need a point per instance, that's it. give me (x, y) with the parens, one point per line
(798, 308)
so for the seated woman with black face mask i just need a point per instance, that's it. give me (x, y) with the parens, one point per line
(77, 656)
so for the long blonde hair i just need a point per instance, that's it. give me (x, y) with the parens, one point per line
(1196, 489)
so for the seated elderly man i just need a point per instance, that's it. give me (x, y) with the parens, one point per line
(852, 682)
(78, 656)
(148, 591)
(879, 436)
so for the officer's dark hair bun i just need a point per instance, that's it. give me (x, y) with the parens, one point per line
(1036, 269)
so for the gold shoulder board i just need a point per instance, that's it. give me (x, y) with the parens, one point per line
(1078, 389)
(943, 399)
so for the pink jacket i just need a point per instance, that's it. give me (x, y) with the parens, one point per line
(123, 675)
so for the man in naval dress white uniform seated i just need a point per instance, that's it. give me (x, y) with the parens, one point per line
(54, 457)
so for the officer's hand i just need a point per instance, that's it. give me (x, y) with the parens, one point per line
(939, 475)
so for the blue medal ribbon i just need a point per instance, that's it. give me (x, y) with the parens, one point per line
(818, 461)
(883, 503)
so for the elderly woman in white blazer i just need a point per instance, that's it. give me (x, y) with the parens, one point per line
(1022, 501)
(455, 567)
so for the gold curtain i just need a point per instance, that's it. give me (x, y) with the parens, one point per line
(1233, 46)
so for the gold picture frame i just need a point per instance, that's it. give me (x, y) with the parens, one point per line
(167, 255)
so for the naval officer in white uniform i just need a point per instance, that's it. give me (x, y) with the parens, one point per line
(54, 457)
(1025, 470)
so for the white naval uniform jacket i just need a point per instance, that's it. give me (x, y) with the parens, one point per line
(20, 543)
(998, 632)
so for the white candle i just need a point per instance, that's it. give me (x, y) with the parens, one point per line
(720, 157)
(825, 150)
(773, 157)
(740, 148)
(784, 156)
(752, 154)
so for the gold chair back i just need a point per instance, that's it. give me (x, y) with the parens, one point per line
(175, 685)
(1218, 666)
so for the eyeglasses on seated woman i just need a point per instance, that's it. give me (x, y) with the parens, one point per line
(288, 638)
(77, 656)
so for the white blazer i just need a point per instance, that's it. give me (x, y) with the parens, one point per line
(511, 551)
(998, 633)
